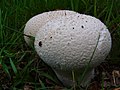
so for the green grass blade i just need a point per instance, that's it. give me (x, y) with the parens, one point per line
(88, 64)
(73, 78)
(48, 76)
(42, 85)
(72, 4)
(13, 66)
(46, 1)
(6, 69)
(76, 5)
(84, 2)
(25, 68)
(102, 12)
(110, 11)
(95, 8)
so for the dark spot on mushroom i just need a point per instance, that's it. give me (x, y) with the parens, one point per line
(78, 16)
(102, 29)
(40, 44)
(68, 44)
(73, 27)
(86, 21)
(65, 13)
(82, 26)
(50, 37)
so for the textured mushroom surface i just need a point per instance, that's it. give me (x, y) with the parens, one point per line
(69, 42)
(36, 22)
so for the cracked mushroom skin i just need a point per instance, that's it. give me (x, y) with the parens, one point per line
(36, 22)
(69, 44)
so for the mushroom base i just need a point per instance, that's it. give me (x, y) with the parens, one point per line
(66, 77)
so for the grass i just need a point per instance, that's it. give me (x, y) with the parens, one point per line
(19, 64)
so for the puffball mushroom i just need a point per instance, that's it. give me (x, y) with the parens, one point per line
(69, 43)
(36, 22)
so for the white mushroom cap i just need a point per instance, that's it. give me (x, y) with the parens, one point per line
(36, 22)
(68, 43)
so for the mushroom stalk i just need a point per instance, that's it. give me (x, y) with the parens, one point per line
(67, 78)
